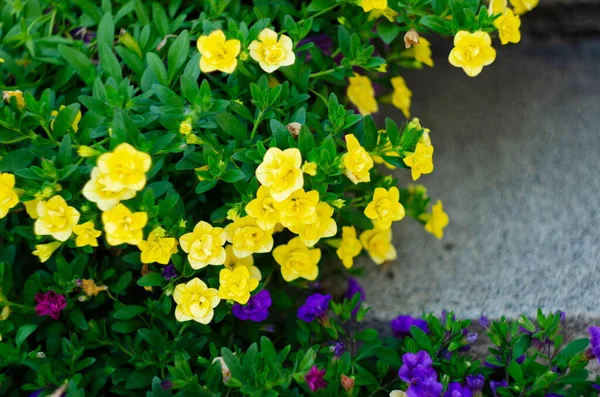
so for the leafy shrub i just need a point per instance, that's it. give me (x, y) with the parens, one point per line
(173, 173)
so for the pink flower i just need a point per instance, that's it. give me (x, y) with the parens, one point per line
(314, 379)
(50, 304)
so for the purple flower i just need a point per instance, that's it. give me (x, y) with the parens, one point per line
(50, 304)
(520, 359)
(401, 325)
(169, 272)
(554, 395)
(417, 370)
(257, 308)
(563, 316)
(314, 379)
(475, 382)
(472, 337)
(316, 305)
(83, 34)
(484, 322)
(355, 288)
(339, 349)
(497, 384)
(595, 342)
(596, 386)
(36, 393)
(166, 384)
(455, 389)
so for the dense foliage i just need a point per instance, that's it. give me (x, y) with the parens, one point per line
(180, 182)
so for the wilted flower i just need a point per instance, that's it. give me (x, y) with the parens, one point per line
(50, 304)
(225, 372)
(314, 379)
(347, 383)
(169, 272)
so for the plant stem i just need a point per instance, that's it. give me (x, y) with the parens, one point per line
(323, 73)
(256, 122)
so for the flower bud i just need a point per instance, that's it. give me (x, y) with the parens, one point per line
(40, 355)
(338, 203)
(243, 56)
(128, 41)
(86, 151)
(193, 139)
(294, 128)
(309, 168)
(411, 38)
(185, 127)
(4, 313)
(224, 369)
(233, 214)
(347, 383)
(382, 68)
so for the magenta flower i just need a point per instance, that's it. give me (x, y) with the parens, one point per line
(314, 379)
(50, 304)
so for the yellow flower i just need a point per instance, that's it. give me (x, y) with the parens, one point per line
(185, 127)
(203, 168)
(270, 53)
(362, 95)
(124, 168)
(233, 213)
(522, 6)
(86, 151)
(74, 124)
(123, 226)
(357, 161)
(45, 251)
(421, 161)
(369, 5)
(204, 245)
(232, 262)
(158, 248)
(247, 238)
(385, 207)
(56, 219)
(195, 301)
(31, 208)
(8, 196)
(236, 284)
(218, 53)
(5, 313)
(97, 191)
(298, 208)
(422, 51)
(86, 234)
(472, 51)
(17, 94)
(297, 260)
(1, 60)
(350, 246)
(402, 95)
(91, 289)
(389, 13)
(262, 208)
(319, 226)
(378, 243)
(309, 168)
(508, 25)
(280, 172)
(438, 220)
(497, 7)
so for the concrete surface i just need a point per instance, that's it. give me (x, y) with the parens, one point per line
(517, 165)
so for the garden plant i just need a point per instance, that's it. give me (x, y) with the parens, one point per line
(185, 185)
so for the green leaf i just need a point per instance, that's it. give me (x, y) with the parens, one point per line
(388, 31)
(80, 62)
(231, 125)
(178, 54)
(370, 133)
(205, 186)
(97, 106)
(106, 31)
(270, 355)
(318, 5)
(158, 68)
(24, 332)
(388, 356)
(575, 347)
(122, 283)
(306, 141)
(435, 24)
(128, 312)
(151, 280)
(392, 131)
(125, 326)
(167, 96)
(124, 129)
(109, 62)
(515, 371)
(233, 175)
(64, 120)
(421, 338)
(76, 316)
(16, 159)
(233, 363)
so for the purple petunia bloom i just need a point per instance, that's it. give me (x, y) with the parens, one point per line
(554, 395)
(50, 304)
(355, 288)
(339, 349)
(401, 325)
(314, 379)
(169, 272)
(417, 370)
(497, 384)
(257, 308)
(596, 386)
(484, 322)
(472, 337)
(475, 383)
(36, 393)
(316, 305)
(455, 389)
(594, 342)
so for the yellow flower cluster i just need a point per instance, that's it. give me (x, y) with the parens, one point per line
(401, 97)
(8, 195)
(357, 161)
(195, 301)
(362, 94)
(271, 53)
(158, 248)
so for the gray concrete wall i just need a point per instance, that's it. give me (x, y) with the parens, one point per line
(517, 165)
